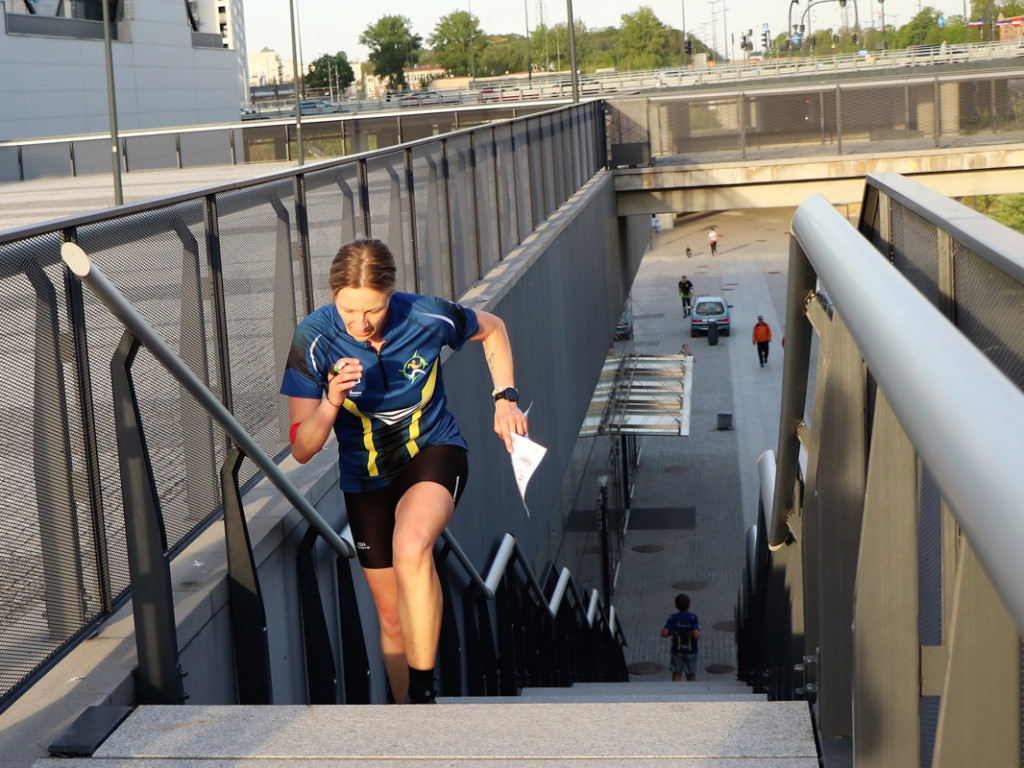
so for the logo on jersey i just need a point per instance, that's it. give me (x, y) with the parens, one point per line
(415, 367)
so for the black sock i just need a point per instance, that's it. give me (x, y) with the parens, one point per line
(421, 684)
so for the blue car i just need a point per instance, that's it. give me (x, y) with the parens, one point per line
(708, 308)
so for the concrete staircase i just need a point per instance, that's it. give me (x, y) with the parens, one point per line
(611, 725)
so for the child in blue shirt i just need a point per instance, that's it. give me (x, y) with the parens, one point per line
(684, 629)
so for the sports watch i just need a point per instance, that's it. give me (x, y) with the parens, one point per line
(506, 393)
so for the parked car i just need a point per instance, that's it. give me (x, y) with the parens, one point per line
(706, 309)
(624, 328)
(429, 99)
(493, 93)
(316, 107)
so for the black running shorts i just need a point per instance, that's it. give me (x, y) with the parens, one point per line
(372, 514)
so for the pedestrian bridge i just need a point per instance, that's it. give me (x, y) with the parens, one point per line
(884, 554)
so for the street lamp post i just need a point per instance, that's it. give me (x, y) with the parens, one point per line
(714, 27)
(115, 143)
(529, 63)
(295, 87)
(683, 2)
(472, 40)
(572, 54)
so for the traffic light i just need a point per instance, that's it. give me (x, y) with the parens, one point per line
(765, 40)
(689, 46)
(854, 36)
(842, 3)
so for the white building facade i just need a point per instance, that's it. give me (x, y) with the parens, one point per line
(171, 66)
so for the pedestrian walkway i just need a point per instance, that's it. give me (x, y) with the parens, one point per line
(706, 482)
(25, 203)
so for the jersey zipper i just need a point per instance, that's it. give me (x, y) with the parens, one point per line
(380, 365)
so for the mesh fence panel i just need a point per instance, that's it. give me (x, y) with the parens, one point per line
(389, 212)
(335, 217)
(540, 194)
(989, 310)
(464, 214)
(548, 168)
(524, 193)
(432, 242)
(49, 583)
(263, 300)
(487, 199)
(158, 260)
(915, 251)
(63, 550)
(506, 189)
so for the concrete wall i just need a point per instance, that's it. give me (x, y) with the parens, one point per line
(55, 86)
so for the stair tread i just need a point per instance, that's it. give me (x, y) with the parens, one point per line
(476, 731)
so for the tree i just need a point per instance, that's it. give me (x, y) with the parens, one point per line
(642, 40)
(329, 72)
(458, 43)
(923, 29)
(502, 55)
(392, 46)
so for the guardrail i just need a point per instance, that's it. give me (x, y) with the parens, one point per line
(882, 565)
(535, 636)
(222, 274)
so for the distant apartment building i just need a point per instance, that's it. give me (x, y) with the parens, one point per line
(176, 62)
(267, 68)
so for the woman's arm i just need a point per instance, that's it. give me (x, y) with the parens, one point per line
(312, 420)
(508, 418)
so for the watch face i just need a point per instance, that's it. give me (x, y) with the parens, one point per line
(508, 393)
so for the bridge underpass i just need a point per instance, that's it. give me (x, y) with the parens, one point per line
(671, 187)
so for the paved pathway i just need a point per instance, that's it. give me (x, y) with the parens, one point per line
(710, 477)
(24, 203)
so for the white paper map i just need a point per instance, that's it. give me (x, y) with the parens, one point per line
(526, 457)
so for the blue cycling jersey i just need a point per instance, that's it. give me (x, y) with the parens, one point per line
(399, 406)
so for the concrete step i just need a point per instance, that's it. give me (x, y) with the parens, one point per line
(725, 690)
(659, 687)
(528, 697)
(551, 735)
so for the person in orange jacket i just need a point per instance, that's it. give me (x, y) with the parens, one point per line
(762, 338)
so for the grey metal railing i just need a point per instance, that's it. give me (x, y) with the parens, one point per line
(223, 275)
(891, 556)
(542, 635)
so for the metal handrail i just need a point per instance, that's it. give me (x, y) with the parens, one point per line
(928, 372)
(78, 262)
(509, 550)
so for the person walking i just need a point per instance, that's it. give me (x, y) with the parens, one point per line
(713, 240)
(685, 294)
(762, 338)
(368, 366)
(684, 629)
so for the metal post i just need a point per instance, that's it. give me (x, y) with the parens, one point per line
(602, 527)
(295, 88)
(572, 54)
(796, 363)
(156, 636)
(529, 61)
(112, 106)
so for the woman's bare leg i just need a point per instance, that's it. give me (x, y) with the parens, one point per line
(384, 587)
(421, 516)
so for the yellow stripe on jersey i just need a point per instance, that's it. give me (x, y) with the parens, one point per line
(371, 459)
(414, 426)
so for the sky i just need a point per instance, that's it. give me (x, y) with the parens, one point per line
(329, 26)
